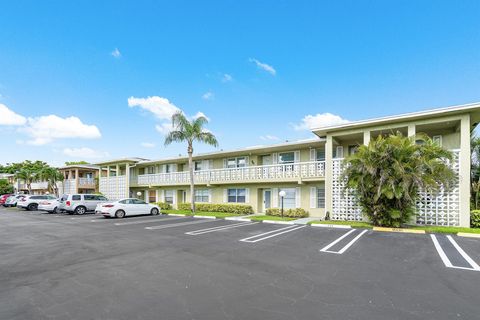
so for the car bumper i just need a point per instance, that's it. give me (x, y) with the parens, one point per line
(46, 207)
(105, 212)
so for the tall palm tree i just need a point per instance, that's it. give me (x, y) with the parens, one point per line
(52, 176)
(388, 174)
(28, 176)
(190, 131)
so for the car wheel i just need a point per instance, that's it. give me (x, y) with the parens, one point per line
(80, 210)
(154, 212)
(120, 214)
(32, 207)
(55, 210)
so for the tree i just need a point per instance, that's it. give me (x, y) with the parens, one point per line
(190, 131)
(29, 176)
(5, 187)
(475, 171)
(71, 163)
(52, 176)
(388, 174)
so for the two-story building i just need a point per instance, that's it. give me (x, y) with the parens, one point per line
(308, 171)
(81, 178)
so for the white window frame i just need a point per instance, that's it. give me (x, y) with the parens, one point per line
(205, 193)
(438, 140)
(245, 191)
(294, 198)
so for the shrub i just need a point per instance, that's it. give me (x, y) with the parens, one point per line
(213, 207)
(164, 206)
(289, 213)
(475, 219)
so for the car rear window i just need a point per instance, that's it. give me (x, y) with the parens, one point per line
(64, 197)
(36, 197)
(88, 197)
(76, 197)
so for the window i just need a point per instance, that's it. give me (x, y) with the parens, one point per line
(239, 162)
(137, 201)
(89, 197)
(338, 152)
(152, 196)
(437, 140)
(202, 195)
(126, 201)
(236, 195)
(289, 201)
(198, 165)
(321, 197)
(286, 157)
(352, 149)
(168, 168)
(151, 170)
(320, 155)
(169, 196)
(100, 198)
(76, 197)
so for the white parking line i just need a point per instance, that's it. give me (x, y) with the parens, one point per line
(147, 221)
(172, 225)
(446, 260)
(348, 245)
(271, 234)
(213, 229)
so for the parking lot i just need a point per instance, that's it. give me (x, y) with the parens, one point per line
(56, 266)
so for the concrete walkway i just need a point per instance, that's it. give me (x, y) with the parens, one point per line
(304, 220)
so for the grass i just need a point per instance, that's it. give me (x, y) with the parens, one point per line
(274, 218)
(354, 224)
(439, 229)
(219, 215)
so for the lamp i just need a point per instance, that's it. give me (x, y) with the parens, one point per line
(282, 195)
(139, 194)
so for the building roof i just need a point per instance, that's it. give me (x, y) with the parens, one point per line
(432, 113)
(127, 159)
(80, 166)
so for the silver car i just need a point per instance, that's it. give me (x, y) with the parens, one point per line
(80, 203)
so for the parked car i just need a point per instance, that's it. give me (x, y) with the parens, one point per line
(30, 202)
(126, 207)
(12, 200)
(4, 197)
(80, 203)
(50, 205)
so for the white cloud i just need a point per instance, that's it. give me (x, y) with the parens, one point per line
(116, 53)
(148, 145)
(200, 114)
(208, 95)
(227, 77)
(164, 128)
(45, 129)
(84, 153)
(269, 138)
(162, 108)
(10, 118)
(264, 66)
(318, 121)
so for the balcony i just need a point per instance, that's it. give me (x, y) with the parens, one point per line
(269, 173)
(86, 182)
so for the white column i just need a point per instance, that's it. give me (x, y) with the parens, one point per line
(328, 174)
(464, 172)
(117, 186)
(412, 130)
(127, 180)
(366, 137)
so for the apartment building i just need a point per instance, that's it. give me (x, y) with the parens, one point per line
(79, 179)
(308, 171)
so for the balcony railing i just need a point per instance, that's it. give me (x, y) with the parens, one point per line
(86, 181)
(291, 171)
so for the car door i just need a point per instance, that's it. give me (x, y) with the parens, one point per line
(89, 201)
(141, 206)
(129, 207)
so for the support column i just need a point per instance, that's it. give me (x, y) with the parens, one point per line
(328, 175)
(127, 180)
(117, 186)
(464, 171)
(412, 130)
(76, 181)
(366, 137)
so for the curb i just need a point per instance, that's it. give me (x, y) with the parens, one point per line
(468, 235)
(335, 226)
(238, 219)
(176, 215)
(277, 222)
(398, 230)
(206, 217)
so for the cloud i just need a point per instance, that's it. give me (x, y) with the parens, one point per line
(227, 78)
(208, 95)
(318, 121)
(164, 128)
(200, 114)
(148, 145)
(264, 66)
(10, 118)
(162, 108)
(269, 138)
(45, 129)
(116, 53)
(84, 153)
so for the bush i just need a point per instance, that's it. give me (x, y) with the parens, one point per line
(289, 213)
(475, 219)
(213, 207)
(164, 206)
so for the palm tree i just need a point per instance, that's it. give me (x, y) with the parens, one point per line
(52, 176)
(388, 174)
(190, 131)
(28, 176)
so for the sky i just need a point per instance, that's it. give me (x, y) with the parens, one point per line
(97, 80)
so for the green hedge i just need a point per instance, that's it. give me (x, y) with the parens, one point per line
(475, 218)
(164, 205)
(213, 207)
(290, 213)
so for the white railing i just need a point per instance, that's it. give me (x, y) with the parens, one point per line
(86, 181)
(300, 170)
(34, 186)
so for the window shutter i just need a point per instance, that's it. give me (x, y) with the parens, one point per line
(145, 193)
(274, 158)
(247, 195)
(164, 168)
(210, 164)
(247, 161)
(297, 198)
(205, 164)
(225, 195)
(162, 195)
(339, 152)
(296, 156)
(209, 195)
(313, 197)
(313, 154)
(157, 195)
(224, 163)
(174, 196)
(275, 198)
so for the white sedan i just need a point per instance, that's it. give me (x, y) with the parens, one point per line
(126, 207)
(50, 205)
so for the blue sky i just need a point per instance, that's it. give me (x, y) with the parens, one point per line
(257, 69)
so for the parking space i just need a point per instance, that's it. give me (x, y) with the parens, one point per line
(184, 267)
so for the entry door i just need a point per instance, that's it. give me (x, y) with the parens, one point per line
(267, 199)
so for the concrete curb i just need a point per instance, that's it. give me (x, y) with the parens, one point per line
(335, 226)
(398, 230)
(237, 219)
(206, 217)
(176, 215)
(468, 235)
(277, 222)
